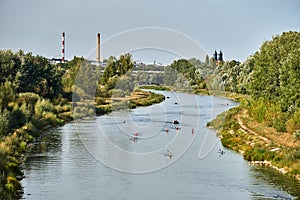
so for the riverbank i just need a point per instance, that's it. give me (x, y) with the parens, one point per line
(258, 143)
(13, 147)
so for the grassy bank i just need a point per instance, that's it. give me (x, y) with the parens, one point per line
(258, 142)
(156, 87)
(43, 116)
(138, 98)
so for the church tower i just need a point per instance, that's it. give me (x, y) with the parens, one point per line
(215, 56)
(220, 56)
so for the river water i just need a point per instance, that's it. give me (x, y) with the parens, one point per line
(97, 158)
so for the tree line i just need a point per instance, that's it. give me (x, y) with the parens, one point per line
(271, 76)
(35, 94)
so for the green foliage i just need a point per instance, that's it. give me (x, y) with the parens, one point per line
(114, 80)
(7, 94)
(297, 135)
(289, 78)
(273, 64)
(17, 118)
(69, 77)
(101, 110)
(117, 67)
(42, 106)
(155, 87)
(271, 76)
(82, 111)
(279, 121)
(4, 122)
(29, 73)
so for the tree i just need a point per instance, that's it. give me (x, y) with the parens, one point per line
(268, 63)
(290, 81)
(9, 65)
(69, 77)
(7, 94)
(207, 60)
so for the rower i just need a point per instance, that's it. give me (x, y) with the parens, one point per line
(134, 139)
(169, 154)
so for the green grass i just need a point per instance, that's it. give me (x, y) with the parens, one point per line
(155, 87)
(252, 147)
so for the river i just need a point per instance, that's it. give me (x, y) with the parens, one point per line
(97, 158)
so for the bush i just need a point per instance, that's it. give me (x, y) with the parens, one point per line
(82, 111)
(18, 118)
(100, 101)
(50, 118)
(43, 106)
(31, 129)
(296, 135)
(103, 110)
(4, 122)
(279, 122)
(257, 109)
(293, 123)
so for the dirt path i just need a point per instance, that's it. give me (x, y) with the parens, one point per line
(278, 138)
(245, 129)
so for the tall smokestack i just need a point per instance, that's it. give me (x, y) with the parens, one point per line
(63, 48)
(98, 48)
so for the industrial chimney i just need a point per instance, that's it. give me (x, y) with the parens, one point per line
(63, 48)
(98, 48)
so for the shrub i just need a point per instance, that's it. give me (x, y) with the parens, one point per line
(257, 109)
(50, 118)
(42, 106)
(31, 128)
(4, 122)
(296, 135)
(79, 112)
(23, 146)
(293, 123)
(17, 118)
(279, 122)
(100, 101)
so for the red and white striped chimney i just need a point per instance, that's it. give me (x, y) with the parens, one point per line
(98, 48)
(63, 48)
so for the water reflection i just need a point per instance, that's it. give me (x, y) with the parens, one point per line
(264, 179)
(61, 167)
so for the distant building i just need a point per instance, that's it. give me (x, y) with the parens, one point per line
(215, 56)
(54, 61)
(218, 57)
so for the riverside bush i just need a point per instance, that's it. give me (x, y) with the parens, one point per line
(296, 135)
(42, 106)
(279, 122)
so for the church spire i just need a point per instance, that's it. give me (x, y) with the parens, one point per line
(215, 56)
(220, 56)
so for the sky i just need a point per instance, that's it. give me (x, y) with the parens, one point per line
(237, 27)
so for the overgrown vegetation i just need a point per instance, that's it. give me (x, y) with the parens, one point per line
(271, 110)
(155, 87)
(271, 77)
(35, 95)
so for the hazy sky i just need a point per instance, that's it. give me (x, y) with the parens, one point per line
(236, 27)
